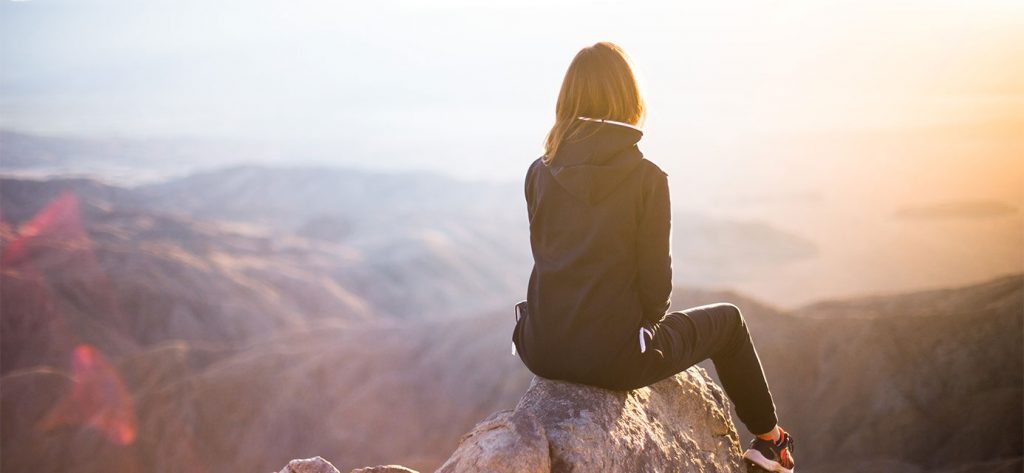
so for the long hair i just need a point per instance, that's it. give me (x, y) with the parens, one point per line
(599, 84)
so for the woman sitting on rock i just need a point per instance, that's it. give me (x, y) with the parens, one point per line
(600, 225)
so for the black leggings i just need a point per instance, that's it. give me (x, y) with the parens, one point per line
(685, 338)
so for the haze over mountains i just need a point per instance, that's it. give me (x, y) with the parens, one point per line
(205, 323)
(889, 225)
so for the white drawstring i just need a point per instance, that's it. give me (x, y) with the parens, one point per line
(643, 343)
(517, 321)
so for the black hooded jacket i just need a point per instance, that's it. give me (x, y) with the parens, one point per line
(600, 228)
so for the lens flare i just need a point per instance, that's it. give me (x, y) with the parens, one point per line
(98, 399)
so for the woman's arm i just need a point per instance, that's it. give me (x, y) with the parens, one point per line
(654, 265)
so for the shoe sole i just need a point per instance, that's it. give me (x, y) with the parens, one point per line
(758, 459)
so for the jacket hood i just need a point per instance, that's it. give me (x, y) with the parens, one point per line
(593, 167)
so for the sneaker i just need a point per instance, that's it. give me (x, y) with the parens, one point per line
(770, 455)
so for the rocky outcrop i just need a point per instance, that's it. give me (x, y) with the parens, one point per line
(319, 465)
(679, 424)
(309, 465)
(384, 469)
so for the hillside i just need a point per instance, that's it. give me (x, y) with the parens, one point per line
(82, 271)
(865, 384)
(371, 394)
(890, 372)
(442, 273)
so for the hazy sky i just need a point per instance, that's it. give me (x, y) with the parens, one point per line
(822, 118)
(468, 87)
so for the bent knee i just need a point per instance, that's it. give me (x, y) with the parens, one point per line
(733, 313)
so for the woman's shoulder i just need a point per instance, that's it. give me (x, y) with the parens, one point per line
(652, 169)
(536, 164)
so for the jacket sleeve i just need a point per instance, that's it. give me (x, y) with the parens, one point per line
(654, 265)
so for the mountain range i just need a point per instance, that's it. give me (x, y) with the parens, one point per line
(194, 325)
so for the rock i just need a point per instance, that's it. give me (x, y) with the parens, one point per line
(309, 465)
(681, 423)
(319, 465)
(505, 441)
(384, 469)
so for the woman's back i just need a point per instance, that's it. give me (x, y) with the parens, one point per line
(600, 225)
(599, 229)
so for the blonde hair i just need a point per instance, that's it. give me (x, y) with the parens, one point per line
(600, 84)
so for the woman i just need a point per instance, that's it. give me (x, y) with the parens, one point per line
(599, 291)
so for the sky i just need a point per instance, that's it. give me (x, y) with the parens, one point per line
(747, 100)
(468, 88)
(823, 118)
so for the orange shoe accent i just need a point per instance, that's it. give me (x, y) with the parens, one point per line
(785, 458)
(769, 437)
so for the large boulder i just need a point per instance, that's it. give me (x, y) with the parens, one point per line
(319, 465)
(682, 423)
